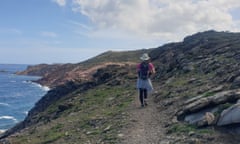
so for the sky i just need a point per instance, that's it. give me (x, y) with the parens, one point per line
(71, 31)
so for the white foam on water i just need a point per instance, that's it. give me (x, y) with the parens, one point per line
(25, 112)
(4, 104)
(2, 130)
(9, 118)
(44, 88)
(25, 82)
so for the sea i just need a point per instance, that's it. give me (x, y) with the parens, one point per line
(18, 94)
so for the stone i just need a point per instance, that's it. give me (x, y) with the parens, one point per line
(201, 118)
(207, 119)
(107, 128)
(230, 115)
(120, 135)
(191, 133)
(236, 83)
(200, 102)
(210, 118)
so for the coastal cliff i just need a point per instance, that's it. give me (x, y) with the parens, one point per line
(197, 88)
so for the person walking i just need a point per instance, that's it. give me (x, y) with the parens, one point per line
(144, 70)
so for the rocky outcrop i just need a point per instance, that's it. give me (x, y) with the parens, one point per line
(196, 81)
(40, 70)
(203, 101)
(54, 75)
(204, 71)
(109, 74)
(230, 115)
(200, 109)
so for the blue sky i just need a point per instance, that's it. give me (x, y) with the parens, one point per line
(70, 31)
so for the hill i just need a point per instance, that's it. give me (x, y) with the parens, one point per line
(195, 100)
(58, 74)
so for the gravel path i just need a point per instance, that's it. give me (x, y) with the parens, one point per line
(145, 126)
(149, 125)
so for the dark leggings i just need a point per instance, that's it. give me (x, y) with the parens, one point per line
(142, 95)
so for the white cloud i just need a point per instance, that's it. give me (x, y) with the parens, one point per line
(160, 19)
(60, 2)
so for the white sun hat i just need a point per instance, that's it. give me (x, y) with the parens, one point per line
(145, 57)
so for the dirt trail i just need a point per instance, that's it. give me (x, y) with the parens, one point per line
(145, 125)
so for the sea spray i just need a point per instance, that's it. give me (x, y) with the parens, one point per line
(8, 118)
(44, 88)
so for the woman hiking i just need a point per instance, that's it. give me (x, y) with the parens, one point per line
(144, 69)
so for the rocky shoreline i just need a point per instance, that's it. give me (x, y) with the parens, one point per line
(197, 87)
(2, 132)
(98, 75)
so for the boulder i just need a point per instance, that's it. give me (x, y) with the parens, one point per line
(208, 119)
(230, 116)
(236, 83)
(202, 118)
(201, 102)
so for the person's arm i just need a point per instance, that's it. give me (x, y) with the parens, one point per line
(152, 68)
(138, 69)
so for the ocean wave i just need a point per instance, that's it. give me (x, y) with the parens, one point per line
(44, 88)
(2, 130)
(9, 118)
(4, 104)
(25, 112)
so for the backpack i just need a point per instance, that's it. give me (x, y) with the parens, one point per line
(143, 72)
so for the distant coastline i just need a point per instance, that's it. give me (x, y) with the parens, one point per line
(12, 68)
(3, 71)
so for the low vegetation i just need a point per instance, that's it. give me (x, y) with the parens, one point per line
(204, 64)
(95, 116)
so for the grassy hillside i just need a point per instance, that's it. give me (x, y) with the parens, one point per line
(94, 110)
(114, 56)
(94, 114)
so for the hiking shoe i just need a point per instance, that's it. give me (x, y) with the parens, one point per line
(142, 105)
(145, 103)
